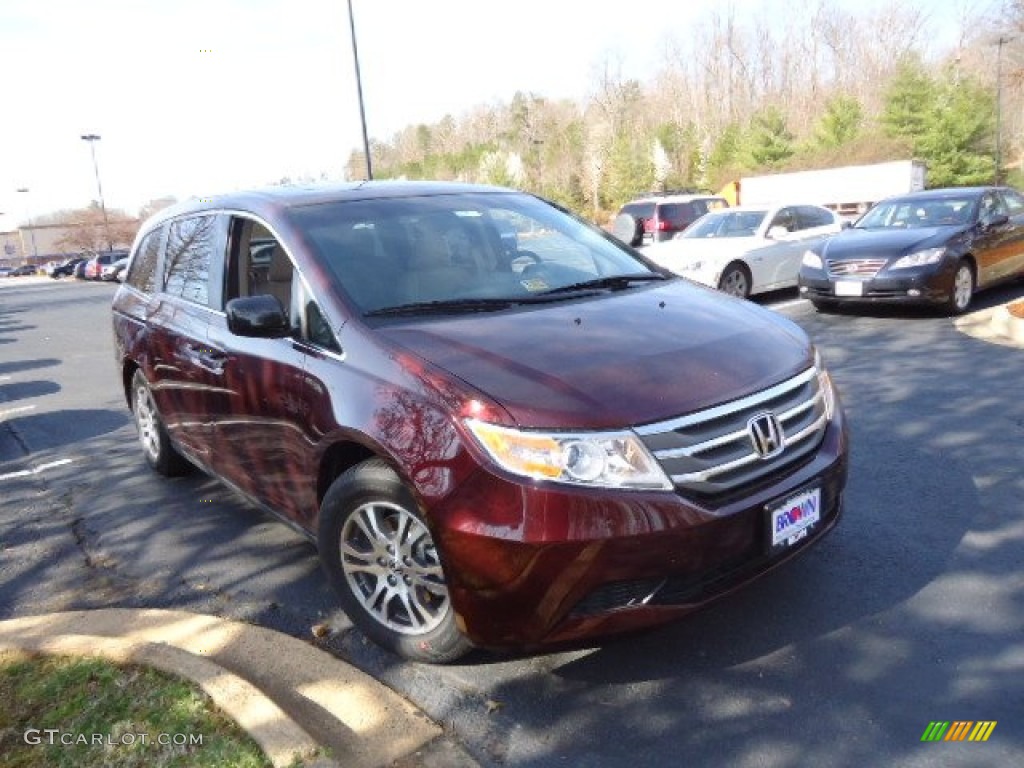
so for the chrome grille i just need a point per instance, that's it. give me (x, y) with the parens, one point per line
(854, 267)
(711, 452)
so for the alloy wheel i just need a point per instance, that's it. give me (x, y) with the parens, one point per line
(392, 568)
(148, 423)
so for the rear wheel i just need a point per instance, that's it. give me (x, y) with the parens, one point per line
(735, 281)
(156, 445)
(962, 290)
(381, 559)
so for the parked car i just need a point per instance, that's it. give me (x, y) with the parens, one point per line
(94, 268)
(6, 271)
(113, 272)
(936, 247)
(66, 268)
(457, 423)
(24, 270)
(747, 249)
(661, 216)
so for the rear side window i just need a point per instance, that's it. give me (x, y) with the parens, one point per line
(189, 252)
(142, 274)
(681, 213)
(639, 210)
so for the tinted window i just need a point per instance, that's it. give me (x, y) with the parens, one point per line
(681, 213)
(142, 274)
(810, 217)
(785, 218)
(189, 251)
(639, 210)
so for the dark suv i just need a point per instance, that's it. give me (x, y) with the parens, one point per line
(455, 416)
(661, 216)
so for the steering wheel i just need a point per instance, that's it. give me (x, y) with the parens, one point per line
(523, 260)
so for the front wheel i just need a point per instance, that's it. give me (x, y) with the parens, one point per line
(381, 559)
(962, 290)
(735, 281)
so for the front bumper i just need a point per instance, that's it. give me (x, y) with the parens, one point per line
(930, 284)
(530, 565)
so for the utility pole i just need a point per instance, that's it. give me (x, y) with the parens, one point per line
(92, 138)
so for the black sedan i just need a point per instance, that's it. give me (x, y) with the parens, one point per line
(935, 247)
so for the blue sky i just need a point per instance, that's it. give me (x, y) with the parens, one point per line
(200, 96)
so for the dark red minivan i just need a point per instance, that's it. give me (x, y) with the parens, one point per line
(500, 426)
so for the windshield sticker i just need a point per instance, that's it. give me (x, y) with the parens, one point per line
(533, 285)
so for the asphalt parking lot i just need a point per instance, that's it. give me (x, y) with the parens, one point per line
(912, 611)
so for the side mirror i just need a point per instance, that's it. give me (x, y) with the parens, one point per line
(258, 316)
(996, 220)
(778, 232)
(847, 224)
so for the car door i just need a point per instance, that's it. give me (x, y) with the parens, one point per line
(993, 240)
(1013, 202)
(262, 437)
(774, 264)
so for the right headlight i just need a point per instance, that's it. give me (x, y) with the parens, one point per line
(919, 258)
(825, 382)
(603, 459)
(812, 260)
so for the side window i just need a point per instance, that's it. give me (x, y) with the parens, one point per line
(318, 330)
(142, 274)
(991, 205)
(811, 217)
(1014, 202)
(785, 218)
(190, 245)
(260, 266)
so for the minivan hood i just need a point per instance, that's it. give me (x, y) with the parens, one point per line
(856, 243)
(615, 360)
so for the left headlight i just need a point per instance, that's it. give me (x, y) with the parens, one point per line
(601, 459)
(812, 260)
(919, 258)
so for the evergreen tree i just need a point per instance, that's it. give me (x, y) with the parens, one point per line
(770, 142)
(841, 122)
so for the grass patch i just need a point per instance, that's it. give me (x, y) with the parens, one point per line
(107, 714)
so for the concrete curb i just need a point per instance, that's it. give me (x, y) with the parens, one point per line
(290, 696)
(996, 325)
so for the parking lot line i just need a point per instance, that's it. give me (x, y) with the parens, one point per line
(35, 470)
(19, 409)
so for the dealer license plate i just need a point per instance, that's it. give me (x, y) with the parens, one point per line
(849, 288)
(792, 520)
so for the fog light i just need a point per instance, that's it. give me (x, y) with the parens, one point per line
(913, 292)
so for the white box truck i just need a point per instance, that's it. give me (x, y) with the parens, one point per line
(849, 190)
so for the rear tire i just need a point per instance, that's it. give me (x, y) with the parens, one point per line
(160, 453)
(735, 281)
(381, 559)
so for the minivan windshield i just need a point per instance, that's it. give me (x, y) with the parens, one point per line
(911, 213)
(463, 252)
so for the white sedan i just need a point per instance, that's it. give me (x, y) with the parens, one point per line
(746, 249)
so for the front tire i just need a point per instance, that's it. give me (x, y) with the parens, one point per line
(156, 445)
(962, 290)
(381, 559)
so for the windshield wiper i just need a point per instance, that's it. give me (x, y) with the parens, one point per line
(445, 305)
(614, 282)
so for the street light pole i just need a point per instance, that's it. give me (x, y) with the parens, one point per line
(359, 90)
(31, 229)
(92, 138)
